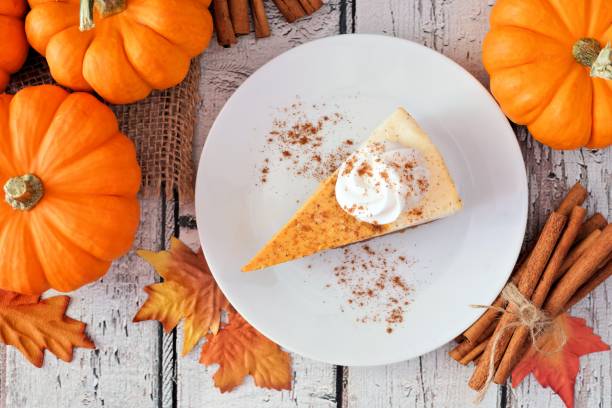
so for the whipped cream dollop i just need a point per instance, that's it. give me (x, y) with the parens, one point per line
(380, 181)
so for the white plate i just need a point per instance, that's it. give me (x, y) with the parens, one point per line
(455, 262)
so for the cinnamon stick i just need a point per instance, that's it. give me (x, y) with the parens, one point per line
(575, 197)
(533, 269)
(239, 12)
(511, 357)
(474, 332)
(223, 23)
(604, 273)
(488, 320)
(461, 350)
(474, 353)
(310, 6)
(516, 349)
(290, 9)
(595, 222)
(466, 346)
(260, 19)
(578, 250)
(584, 268)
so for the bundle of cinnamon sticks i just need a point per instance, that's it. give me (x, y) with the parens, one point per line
(231, 17)
(570, 258)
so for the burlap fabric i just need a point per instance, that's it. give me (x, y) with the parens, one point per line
(161, 127)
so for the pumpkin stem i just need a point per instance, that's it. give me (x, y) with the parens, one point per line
(586, 50)
(602, 67)
(23, 192)
(104, 8)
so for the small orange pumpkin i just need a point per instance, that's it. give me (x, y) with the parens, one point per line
(70, 181)
(127, 47)
(14, 49)
(539, 55)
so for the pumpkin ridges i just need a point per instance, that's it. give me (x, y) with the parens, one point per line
(162, 64)
(7, 168)
(187, 24)
(72, 236)
(47, 19)
(500, 49)
(65, 52)
(574, 15)
(119, 177)
(601, 135)
(51, 241)
(75, 131)
(516, 88)
(602, 20)
(179, 30)
(105, 238)
(566, 121)
(21, 270)
(31, 112)
(106, 68)
(527, 14)
(13, 55)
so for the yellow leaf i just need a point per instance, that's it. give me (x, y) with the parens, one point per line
(241, 350)
(32, 325)
(189, 293)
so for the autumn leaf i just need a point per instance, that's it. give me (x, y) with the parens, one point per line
(189, 293)
(241, 350)
(556, 367)
(32, 325)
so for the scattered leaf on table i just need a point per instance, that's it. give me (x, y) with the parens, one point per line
(241, 350)
(556, 367)
(32, 325)
(189, 292)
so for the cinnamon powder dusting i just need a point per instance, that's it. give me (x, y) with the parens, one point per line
(373, 284)
(296, 141)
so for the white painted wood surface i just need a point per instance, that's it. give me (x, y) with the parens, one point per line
(135, 366)
(123, 370)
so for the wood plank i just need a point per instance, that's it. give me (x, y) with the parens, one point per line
(551, 173)
(223, 70)
(456, 30)
(123, 370)
(432, 380)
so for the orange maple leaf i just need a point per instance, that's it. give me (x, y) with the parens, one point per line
(189, 292)
(241, 350)
(33, 325)
(556, 367)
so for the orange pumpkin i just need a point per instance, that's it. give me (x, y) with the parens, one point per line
(136, 45)
(539, 55)
(70, 181)
(14, 48)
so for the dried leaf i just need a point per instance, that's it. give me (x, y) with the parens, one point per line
(556, 367)
(32, 325)
(241, 350)
(189, 292)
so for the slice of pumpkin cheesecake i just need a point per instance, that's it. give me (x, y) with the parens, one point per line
(396, 179)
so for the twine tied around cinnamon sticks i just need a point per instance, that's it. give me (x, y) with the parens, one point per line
(527, 315)
(570, 258)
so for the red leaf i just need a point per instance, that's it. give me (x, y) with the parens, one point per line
(557, 367)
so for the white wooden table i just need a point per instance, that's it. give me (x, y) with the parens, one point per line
(136, 365)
